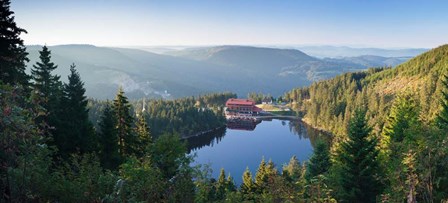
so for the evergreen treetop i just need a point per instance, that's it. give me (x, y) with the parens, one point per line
(357, 157)
(13, 55)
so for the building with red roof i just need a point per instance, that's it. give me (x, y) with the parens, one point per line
(241, 108)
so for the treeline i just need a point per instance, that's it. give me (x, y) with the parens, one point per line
(185, 116)
(406, 109)
(258, 97)
(328, 104)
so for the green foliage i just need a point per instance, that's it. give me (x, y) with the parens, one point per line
(258, 98)
(48, 90)
(357, 164)
(141, 181)
(24, 156)
(81, 179)
(442, 116)
(123, 124)
(328, 104)
(261, 177)
(74, 131)
(108, 140)
(248, 186)
(144, 138)
(13, 55)
(293, 171)
(319, 163)
(168, 154)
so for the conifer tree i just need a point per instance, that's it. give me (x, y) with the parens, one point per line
(230, 183)
(143, 135)
(247, 187)
(293, 170)
(13, 55)
(221, 185)
(320, 161)
(48, 89)
(403, 115)
(75, 132)
(442, 116)
(358, 167)
(123, 124)
(108, 140)
(44, 80)
(398, 138)
(271, 170)
(261, 176)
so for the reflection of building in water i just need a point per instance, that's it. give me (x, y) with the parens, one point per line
(241, 108)
(240, 124)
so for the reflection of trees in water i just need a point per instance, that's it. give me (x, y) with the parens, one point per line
(298, 128)
(208, 139)
(305, 131)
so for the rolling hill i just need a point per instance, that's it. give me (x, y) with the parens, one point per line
(193, 71)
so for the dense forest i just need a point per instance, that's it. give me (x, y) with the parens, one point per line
(406, 109)
(185, 116)
(390, 143)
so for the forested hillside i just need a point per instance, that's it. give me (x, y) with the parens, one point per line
(328, 104)
(403, 139)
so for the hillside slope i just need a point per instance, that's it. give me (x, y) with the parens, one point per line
(328, 104)
(238, 69)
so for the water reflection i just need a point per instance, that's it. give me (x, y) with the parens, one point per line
(302, 130)
(248, 125)
(208, 139)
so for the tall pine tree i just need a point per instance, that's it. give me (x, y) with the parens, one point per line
(358, 165)
(248, 186)
(13, 55)
(261, 177)
(123, 124)
(143, 135)
(48, 91)
(75, 132)
(108, 140)
(320, 161)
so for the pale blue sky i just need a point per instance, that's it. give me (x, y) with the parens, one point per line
(376, 23)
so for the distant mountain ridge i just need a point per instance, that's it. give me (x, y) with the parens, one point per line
(344, 51)
(193, 71)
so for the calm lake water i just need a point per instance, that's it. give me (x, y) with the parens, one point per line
(243, 145)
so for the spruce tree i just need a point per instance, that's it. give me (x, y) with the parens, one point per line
(442, 116)
(47, 87)
(13, 55)
(261, 177)
(75, 132)
(399, 137)
(143, 135)
(44, 80)
(230, 183)
(320, 161)
(403, 115)
(123, 124)
(108, 140)
(293, 171)
(247, 187)
(221, 185)
(358, 167)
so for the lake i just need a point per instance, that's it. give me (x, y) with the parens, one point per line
(244, 144)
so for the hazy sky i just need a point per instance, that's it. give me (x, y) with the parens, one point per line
(375, 23)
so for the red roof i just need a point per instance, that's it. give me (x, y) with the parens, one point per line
(240, 102)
